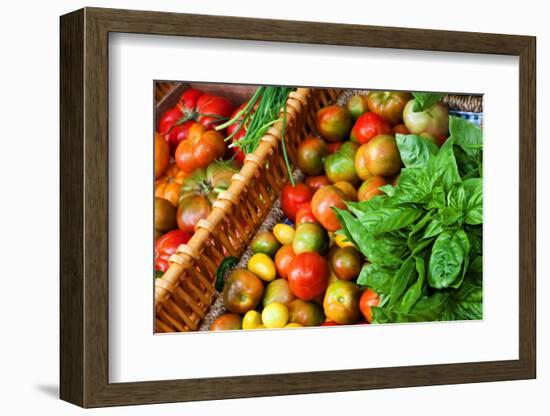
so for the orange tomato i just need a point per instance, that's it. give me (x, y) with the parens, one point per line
(162, 155)
(169, 186)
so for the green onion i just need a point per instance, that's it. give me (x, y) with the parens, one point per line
(260, 113)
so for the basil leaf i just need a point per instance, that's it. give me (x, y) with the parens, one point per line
(462, 238)
(415, 291)
(438, 199)
(444, 166)
(428, 308)
(466, 135)
(385, 250)
(402, 280)
(388, 189)
(425, 100)
(465, 304)
(389, 219)
(474, 205)
(445, 261)
(434, 228)
(376, 277)
(414, 150)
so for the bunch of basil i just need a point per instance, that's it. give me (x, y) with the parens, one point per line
(423, 238)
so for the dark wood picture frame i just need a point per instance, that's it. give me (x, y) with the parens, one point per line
(84, 207)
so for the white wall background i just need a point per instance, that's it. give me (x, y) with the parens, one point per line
(29, 158)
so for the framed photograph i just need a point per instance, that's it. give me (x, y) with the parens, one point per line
(257, 207)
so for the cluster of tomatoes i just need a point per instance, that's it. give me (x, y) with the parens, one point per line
(301, 272)
(189, 167)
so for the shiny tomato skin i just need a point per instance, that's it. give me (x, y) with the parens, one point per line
(323, 201)
(192, 209)
(317, 182)
(310, 237)
(294, 196)
(173, 132)
(242, 291)
(341, 302)
(368, 299)
(333, 123)
(207, 109)
(382, 156)
(227, 322)
(201, 148)
(312, 152)
(283, 258)
(368, 126)
(346, 262)
(308, 275)
(388, 104)
(167, 245)
(357, 105)
(304, 214)
(434, 120)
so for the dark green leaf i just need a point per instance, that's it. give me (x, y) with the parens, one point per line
(445, 261)
(474, 203)
(444, 166)
(465, 303)
(425, 100)
(385, 250)
(404, 277)
(415, 291)
(389, 219)
(414, 150)
(376, 277)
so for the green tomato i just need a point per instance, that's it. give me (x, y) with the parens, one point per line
(340, 166)
(310, 237)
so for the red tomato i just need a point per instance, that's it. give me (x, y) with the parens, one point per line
(368, 299)
(308, 275)
(167, 245)
(294, 196)
(316, 182)
(305, 214)
(323, 201)
(369, 125)
(200, 149)
(194, 106)
(173, 132)
(209, 110)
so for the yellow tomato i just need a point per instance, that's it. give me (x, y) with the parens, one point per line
(262, 266)
(293, 325)
(252, 320)
(342, 241)
(275, 315)
(284, 233)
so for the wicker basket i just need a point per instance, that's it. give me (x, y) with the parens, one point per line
(185, 292)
